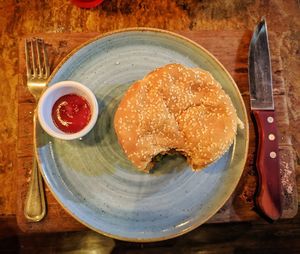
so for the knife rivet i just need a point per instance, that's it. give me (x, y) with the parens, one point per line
(270, 119)
(271, 137)
(273, 155)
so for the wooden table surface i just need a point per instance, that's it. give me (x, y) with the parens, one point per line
(19, 18)
(240, 206)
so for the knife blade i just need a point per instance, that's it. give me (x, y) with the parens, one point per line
(268, 198)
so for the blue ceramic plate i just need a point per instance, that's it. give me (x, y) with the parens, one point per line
(92, 178)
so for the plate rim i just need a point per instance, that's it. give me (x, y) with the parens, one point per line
(239, 96)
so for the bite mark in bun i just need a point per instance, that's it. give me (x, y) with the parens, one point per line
(175, 108)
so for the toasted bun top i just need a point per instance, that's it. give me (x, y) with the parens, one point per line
(175, 107)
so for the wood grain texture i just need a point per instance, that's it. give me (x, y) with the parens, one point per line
(231, 48)
(229, 238)
(267, 165)
(24, 17)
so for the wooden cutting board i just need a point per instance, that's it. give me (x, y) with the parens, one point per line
(231, 48)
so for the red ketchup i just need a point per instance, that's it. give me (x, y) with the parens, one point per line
(71, 113)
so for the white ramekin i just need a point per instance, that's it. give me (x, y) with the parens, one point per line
(52, 94)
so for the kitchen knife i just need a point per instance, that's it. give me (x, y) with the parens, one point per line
(268, 197)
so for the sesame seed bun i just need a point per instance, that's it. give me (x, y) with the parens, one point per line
(175, 108)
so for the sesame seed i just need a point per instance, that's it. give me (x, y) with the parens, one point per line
(172, 105)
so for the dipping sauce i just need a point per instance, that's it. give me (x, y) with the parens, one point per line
(71, 113)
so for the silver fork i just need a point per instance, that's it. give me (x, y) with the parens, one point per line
(38, 72)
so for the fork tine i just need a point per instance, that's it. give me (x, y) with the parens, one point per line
(46, 63)
(33, 59)
(28, 67)
(39, 59)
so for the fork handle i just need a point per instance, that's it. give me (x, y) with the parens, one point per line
(35, 205)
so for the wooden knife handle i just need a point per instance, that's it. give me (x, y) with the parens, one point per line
(269, 187)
